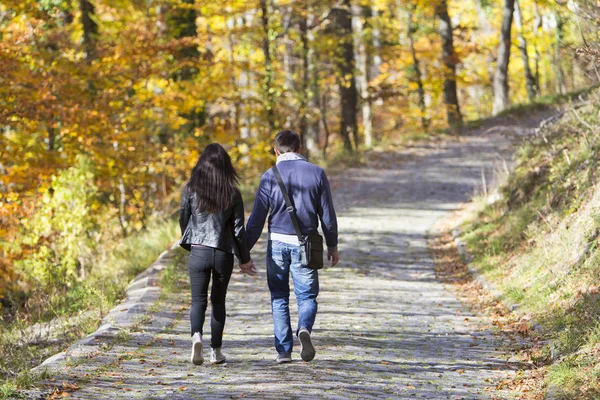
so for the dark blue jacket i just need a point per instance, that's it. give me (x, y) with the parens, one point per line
(309, 191)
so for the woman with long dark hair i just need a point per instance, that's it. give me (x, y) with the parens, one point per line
(212, 228)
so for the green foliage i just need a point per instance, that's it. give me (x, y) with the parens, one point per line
(113, 264)
(62, 234)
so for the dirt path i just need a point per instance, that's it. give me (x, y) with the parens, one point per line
(386, 327)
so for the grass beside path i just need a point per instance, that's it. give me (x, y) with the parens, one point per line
(538, 242)
(28, 339)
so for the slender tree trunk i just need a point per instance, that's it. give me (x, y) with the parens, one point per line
(486, 31)
(307, 103)
(501, 98)
(237, 104)
(450, 60)
(181, 23)
(346, 81)
(411, 28)
(312, 139)
(122, 207)
(323, 108)
(305, 84)
(269, 71)
(537, 25)
(288, 55)
(244, 82)
(51, 138)
(362, 79)
(559, 73)
(377, 61)
(90, 28)
(529, 78)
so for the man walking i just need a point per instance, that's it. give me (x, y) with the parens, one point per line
(310, 194)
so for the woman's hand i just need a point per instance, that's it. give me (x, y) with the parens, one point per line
(249, 268)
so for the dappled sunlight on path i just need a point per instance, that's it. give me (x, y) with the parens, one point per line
(386, 327)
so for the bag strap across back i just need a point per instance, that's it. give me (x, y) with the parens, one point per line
(290, 208)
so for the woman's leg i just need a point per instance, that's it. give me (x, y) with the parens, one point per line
(199, 269)
(221, 274)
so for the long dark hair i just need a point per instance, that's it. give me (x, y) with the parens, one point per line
(214, 180)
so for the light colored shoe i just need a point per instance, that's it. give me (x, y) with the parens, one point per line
(283, 358)
(216, 357)
(196, 357)
(307, 350)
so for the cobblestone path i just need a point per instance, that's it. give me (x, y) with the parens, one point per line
(386, 329)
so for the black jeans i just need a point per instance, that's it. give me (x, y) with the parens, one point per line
(204, 262)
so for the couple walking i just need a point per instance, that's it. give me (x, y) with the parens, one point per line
(212, 226)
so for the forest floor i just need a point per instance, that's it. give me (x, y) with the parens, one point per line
(387, 326)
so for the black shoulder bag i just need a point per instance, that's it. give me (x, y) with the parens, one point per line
(311, 245)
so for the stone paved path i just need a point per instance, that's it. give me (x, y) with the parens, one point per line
(386, 328)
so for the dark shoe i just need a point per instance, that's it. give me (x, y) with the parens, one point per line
(283, 358)
(307, 350)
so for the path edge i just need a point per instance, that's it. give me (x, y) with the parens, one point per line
(140, 295)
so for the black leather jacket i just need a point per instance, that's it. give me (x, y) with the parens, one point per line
(224, 230)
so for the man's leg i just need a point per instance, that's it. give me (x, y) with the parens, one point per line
(278, 278)
(306, 288)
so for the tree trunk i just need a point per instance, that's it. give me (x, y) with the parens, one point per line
(269, 95)
(122, 207)
(288, 55)
(90, 29)
(485, 32)
(377, 61)
(559, 73)
(362, 79)
(308, 105)
(51, 138)
(181, 23)
(237, 103)
(346, 80)
(501, 99)
(450, 60)
(537, 25)
(411, 28)
(529, 79)
(312, 140)
(323, 108)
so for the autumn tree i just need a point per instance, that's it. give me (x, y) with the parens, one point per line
(501, 85)
(450, 59)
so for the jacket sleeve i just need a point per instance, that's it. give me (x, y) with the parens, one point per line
(239, 232)
(186, 210)
(327, 214)
(257, 219)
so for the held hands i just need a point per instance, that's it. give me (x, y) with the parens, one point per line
(334, 256)
(248, 268)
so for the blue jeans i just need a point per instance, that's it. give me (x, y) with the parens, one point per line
(283, 258)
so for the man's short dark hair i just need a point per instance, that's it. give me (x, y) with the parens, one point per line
(287, 141)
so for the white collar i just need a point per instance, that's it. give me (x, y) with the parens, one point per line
(289, 157)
